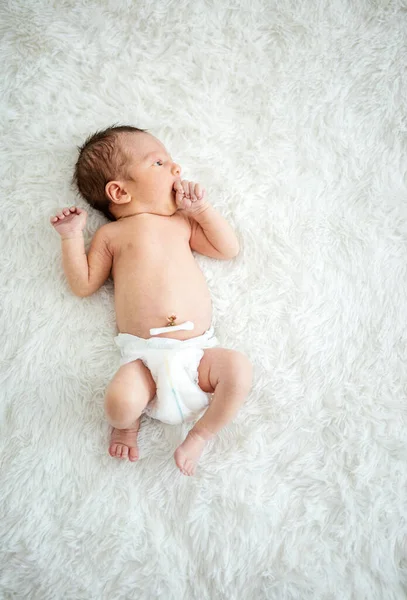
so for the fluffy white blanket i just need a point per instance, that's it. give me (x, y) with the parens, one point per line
(293, 115)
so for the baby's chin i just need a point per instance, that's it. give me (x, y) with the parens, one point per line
(171, 205)
(173, 202)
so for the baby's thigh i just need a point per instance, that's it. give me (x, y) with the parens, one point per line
(129, 392)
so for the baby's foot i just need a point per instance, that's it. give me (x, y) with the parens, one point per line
(123, 443)
(187, 455)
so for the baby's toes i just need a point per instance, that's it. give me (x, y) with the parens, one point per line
(133, 454)
(189, 467)
(120, 451)
(124, 452)
(115, 450)
(112, 449)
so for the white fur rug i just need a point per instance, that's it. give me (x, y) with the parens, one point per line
(293, 115)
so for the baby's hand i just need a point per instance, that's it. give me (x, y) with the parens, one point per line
(69, 222)
(189, 196)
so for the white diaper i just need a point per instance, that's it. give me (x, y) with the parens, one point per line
(174, 367)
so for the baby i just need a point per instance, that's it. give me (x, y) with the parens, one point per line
(170, 359)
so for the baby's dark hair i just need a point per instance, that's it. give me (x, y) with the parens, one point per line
(101, 159)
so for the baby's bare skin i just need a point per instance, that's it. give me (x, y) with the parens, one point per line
(156, 275)
(148, 252)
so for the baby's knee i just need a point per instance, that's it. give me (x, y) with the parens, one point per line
(240, 369)
(121, 411)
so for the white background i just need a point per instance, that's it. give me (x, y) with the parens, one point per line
(293, 115)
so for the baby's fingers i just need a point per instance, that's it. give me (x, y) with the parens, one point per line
(185, 187)
(64, 213)
(198, 191)
(179, 193)
(191, 191)
(186, 203)
(178, 187)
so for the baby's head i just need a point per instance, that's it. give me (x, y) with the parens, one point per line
(122, 171)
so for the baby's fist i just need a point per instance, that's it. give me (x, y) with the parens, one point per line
(69, 222)
(189, 196)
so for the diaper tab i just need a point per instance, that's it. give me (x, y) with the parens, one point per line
(187, 326)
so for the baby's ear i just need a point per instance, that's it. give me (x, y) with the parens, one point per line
(116, 192)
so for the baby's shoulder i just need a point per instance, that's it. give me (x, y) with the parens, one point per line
(106, 230)
(107, 235)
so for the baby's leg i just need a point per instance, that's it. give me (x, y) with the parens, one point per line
(129, 392)
(228, 374)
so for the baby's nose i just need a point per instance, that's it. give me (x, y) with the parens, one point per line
(176, 169)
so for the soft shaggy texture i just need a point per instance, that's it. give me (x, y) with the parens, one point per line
(293, 114)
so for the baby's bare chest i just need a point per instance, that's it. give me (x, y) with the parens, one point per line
(155, 243)
(155, 274)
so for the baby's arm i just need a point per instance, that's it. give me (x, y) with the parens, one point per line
(211, 234)
(85, 274)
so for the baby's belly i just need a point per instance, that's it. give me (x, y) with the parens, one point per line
(144, 300)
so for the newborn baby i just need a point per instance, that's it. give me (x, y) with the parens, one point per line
(170, 359)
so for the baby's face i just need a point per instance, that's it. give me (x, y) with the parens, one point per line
(152, 172)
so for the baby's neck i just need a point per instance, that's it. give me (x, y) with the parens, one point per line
(123, 211)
